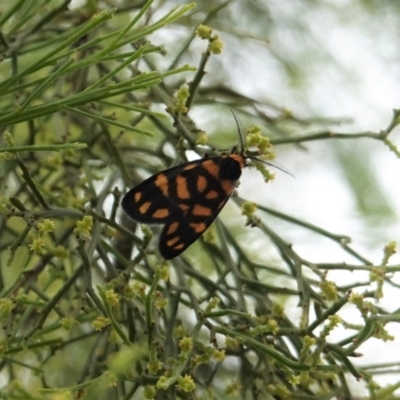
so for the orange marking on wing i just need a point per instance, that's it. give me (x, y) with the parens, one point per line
(184, 208)
(211, 167)
(202, 211)
(221, 204)
(172, 228)
(144, 207)
(181, 188)
(161, 213)
(240, 159)
(227, 185)
(137, 196)
(201, 184)
(162, 182)
(198, 227)
(172, 241)
(180, 246)
(190, 166)
(212, 194)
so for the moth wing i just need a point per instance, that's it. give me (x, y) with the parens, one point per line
(179, 234)
(155, 200)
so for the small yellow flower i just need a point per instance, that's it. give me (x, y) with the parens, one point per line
(219, 355)
(6, 307)
(46, 226)
(186, 344)
(112, 297)
(100, 323)
(37, 245)
(216, 45)
(204, 32)
(186, 383)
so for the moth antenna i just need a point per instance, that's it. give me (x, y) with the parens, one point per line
(255, 158)
(272, 165)
(239, 131)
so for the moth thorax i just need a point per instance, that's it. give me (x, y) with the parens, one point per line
(231, 167)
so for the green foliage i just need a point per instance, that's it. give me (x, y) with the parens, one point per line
(88, 308)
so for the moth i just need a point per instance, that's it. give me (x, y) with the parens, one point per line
(185, 199)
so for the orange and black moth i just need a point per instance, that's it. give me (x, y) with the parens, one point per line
(186, 199)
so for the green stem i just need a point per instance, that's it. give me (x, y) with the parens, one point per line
(149, 314)
(110, 315)
(44, 147)
(45, 311)
(42, 87)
